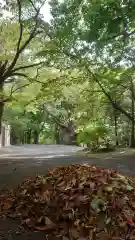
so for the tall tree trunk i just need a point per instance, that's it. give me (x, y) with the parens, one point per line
(116, 127)
(1, 114)
(22, 138)
(132, 135)
(14, 139)
(1, 104)
(132, 113)
(56, 133)
(57, 137)
(29, 136)
(36, 137)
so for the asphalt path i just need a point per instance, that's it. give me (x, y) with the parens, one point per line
(19, 162)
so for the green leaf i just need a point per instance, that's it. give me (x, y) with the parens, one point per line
(96, 203)
(129, 188)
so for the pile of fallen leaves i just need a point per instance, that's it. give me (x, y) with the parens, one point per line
(76, 202)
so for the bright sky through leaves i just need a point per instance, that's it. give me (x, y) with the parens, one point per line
(45, 11)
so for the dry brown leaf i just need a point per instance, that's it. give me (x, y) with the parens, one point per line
(7, 204)
(74, 233)
(48, 221)
(65, 238)
(83, 198)
(74, 181)
(44, 228)
(24, 192)
(103, 236)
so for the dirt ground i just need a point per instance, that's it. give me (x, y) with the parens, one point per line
(13, 171)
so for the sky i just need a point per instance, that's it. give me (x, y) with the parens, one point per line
(45, 11)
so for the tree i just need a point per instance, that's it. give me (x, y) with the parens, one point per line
(19, 31)
(97, 38)
(93, 83)
(100, 29)
(37, 106)
(86, 41)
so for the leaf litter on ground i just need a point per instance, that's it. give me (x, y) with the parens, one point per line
(75, 202)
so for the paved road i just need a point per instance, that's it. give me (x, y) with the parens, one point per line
(37, 151)
(17, 163)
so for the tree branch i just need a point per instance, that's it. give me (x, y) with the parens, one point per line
(27, 66)
(18, 88)
(114, 103)
(3, 67)
(56, 119)
(20, 23)
(21, 49)
(36, 10)
(19, 74)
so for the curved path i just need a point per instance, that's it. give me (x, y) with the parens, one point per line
(17, 163)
